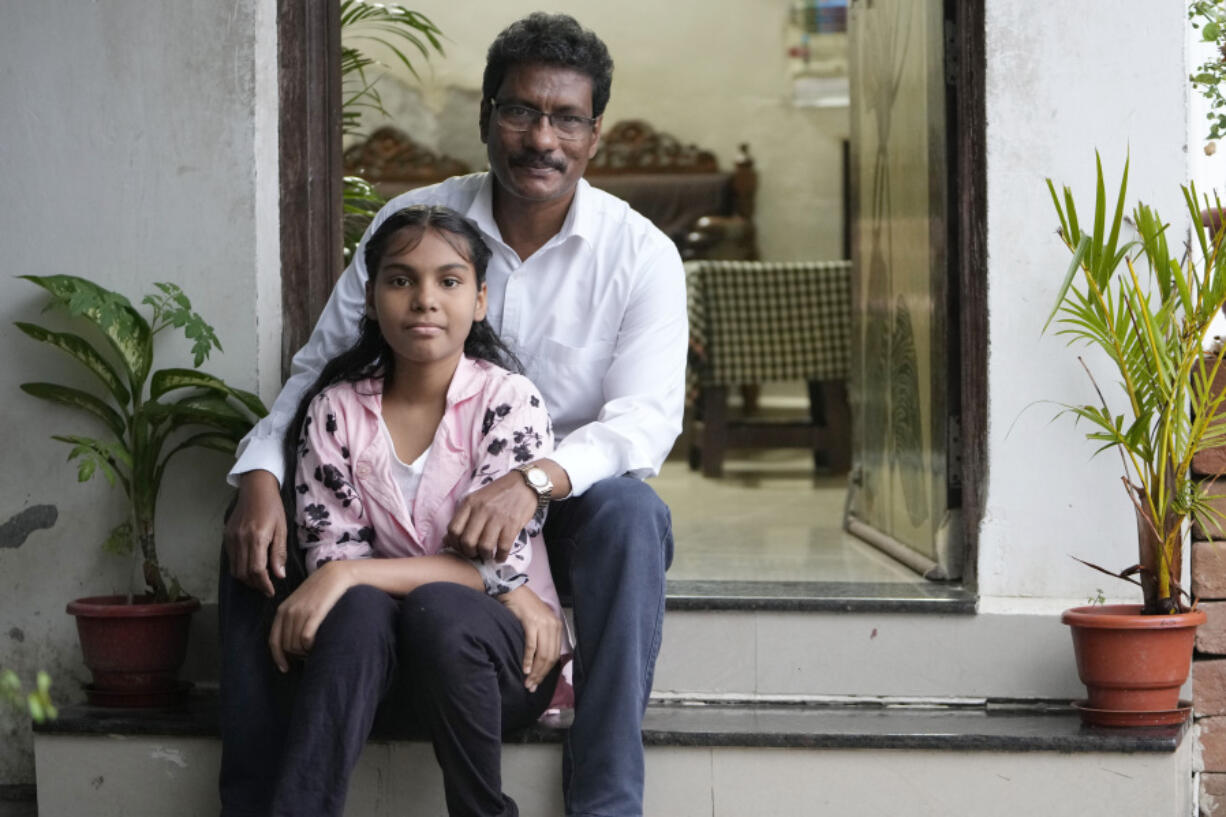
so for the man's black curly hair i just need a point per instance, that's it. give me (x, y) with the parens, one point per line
(552, 39)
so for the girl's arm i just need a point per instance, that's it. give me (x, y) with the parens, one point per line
(515, 430)
(335, 530)
(330, 518)
(299, 616)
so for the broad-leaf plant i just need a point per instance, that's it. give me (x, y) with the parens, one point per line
(1149, 307)
(143, 416)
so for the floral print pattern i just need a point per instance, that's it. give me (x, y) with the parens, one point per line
(333, 518)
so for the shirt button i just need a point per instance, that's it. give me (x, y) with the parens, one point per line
(363, 470)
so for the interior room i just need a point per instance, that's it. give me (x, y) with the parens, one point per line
(744, 158)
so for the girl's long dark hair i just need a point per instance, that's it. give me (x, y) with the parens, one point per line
(371, 356)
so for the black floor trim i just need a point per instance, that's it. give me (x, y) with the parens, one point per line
(996, 727)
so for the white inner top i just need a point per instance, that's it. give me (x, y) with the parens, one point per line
(407, 475)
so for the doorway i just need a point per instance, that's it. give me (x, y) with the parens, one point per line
(781, 81)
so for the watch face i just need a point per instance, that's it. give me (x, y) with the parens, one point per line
(537, 477)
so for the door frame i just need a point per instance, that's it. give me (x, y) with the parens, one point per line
(309, 135)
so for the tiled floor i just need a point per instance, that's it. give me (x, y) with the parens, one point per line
(769, 518)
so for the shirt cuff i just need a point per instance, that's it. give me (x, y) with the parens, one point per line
(585, 465)
(498, 578)
(258, 453)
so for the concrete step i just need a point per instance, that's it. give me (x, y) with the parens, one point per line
(853, 639)
(704, 760)
(763, 639)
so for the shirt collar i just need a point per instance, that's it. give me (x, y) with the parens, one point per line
(466, 382)
(580, 218)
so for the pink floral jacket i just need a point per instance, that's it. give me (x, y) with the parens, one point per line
(350, 506)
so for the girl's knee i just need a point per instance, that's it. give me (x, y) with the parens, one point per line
(357, 614)
(435, 616)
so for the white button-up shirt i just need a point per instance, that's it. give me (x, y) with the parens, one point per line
(597, 316)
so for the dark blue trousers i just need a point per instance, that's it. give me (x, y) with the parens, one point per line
(608, 549)
(443, 662)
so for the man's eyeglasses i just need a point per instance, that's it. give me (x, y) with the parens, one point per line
(520, 118)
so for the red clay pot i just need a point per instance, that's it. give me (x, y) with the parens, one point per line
(1133, 665)
(133, 650)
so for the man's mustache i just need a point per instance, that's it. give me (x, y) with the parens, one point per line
(537, 161)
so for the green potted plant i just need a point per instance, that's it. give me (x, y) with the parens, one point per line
(1148, 312)
(382, 25)
(37, 701)
(134, 644)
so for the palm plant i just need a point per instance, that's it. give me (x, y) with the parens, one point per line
(141, 425)
(381, 24)
(1153, 326)
(399, 31)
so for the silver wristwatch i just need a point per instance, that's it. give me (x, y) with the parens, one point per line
(539, 482)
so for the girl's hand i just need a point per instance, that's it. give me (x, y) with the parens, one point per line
(542, 633)
(299, 616)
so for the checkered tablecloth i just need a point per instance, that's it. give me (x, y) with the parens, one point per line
(760, 321)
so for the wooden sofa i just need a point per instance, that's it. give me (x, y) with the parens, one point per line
(706, 211)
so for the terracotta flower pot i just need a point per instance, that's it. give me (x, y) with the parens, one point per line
(133, 650)
(1133, 665)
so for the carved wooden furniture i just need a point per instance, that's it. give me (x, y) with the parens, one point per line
(707, 212)
(757, 322)
(391, 161)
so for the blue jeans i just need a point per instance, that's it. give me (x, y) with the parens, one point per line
(609, 549)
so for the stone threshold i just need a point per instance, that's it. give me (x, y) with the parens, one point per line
(802, 597)
(994, 726)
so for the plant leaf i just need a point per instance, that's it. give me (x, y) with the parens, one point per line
(75, 398)
(125, 329)
(120, 541)
(1074, 265)
(166, 380)
(83, 352)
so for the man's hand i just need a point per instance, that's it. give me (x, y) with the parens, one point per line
(257, 522)
(488, 520)
(299, 616)
(542, 633)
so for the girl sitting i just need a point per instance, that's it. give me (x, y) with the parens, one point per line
(394, 434)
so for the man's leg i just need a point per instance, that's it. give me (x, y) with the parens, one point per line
(461, 652)
(255, 700)
(610, 548)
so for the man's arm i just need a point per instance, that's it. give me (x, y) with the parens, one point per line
(644, 392)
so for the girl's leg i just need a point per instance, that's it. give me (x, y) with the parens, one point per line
(464, 651)
(347, 672)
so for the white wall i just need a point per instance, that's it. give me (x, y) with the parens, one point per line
(1056, 91)
(712, 74)
(135, 141)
